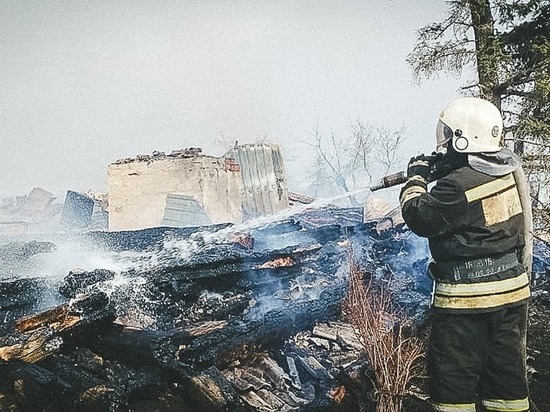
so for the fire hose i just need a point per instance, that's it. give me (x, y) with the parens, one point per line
(439, 164)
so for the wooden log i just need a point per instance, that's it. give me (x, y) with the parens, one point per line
(47, 332)
(37, 389)
(138, 347)
(78, 280)
(211, 391)
(275, 326)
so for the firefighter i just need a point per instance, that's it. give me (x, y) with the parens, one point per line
(474, 221)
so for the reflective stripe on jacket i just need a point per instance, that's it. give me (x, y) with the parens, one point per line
(454, 407)
(481, 295)
(501, 405)
(515, 405)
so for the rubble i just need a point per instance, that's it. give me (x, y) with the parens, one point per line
(218, 318)
(186, 153)
(38, 212)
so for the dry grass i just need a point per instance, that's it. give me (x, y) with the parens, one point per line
(393, 352)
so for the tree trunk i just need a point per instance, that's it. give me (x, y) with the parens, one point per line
(487, 64)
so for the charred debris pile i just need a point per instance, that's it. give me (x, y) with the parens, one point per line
(211, 318)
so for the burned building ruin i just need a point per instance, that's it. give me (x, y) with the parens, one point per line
(189, 188)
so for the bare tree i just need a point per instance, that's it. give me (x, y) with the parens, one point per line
(228, 143)
(333, 164)
(506, 45)
(348, 163)
(386, 147)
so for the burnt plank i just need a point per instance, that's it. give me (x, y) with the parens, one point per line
(219, 262)
(211, 391)
(273, 328)
(45, 333)
(78, 280)
(145, 239)
(138, 347)
(38, 389)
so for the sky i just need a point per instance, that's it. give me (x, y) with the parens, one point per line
(86, 82)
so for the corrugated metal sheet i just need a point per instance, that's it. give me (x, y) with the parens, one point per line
(77, 210)
(263, 177)
(183, 211)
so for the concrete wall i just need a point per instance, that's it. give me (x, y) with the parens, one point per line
(138, 190)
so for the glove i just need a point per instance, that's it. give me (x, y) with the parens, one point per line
(419, 168)
(441, 166)
(418, 173)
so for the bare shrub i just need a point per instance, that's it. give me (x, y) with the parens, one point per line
(394, 353)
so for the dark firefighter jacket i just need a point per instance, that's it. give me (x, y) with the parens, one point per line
(474, 224)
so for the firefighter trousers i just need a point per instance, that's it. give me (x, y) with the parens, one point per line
(478, 358)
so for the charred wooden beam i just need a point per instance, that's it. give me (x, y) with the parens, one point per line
(139, 347)
(69, 324)
(230, 267)
(272, 329)
(40, 344)
(145, 239)
(37, 389)
(78, 280)
(211, 391)
(51, 316)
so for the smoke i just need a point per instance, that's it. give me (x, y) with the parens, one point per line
(70, 256)
(406, 275)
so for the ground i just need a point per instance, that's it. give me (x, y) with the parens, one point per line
(538, 357)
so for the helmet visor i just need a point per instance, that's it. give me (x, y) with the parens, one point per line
(443, 134)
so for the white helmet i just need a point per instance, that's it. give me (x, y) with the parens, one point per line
(473, 124)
